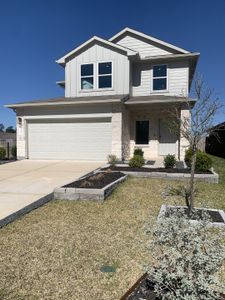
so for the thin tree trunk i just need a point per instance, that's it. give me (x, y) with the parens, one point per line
(191, 183)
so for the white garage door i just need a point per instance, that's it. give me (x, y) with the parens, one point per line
(83, 139)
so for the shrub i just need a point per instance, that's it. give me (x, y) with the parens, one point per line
(169, 161)
(139, 152)
(188, 257)
(112, 159)
(203, 161)
(14, 151)
(2, 153)
(136, 161)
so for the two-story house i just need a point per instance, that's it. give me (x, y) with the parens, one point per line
(117, 96)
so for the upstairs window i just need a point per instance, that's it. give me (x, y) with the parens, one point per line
(87, 77)
(104, 75)
(160, 78)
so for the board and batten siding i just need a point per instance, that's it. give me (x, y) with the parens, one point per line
(178, 79)
(97, 53)
(143, 47)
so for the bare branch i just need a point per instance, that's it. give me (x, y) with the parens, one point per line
(196, 126)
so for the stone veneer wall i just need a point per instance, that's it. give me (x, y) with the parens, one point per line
(125, 133)
(21, 138)
(117, 130)
(184, 144)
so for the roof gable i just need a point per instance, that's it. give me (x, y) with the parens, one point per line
(93, 40)
(121, 39)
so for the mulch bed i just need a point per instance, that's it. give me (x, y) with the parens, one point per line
(215, 216)
(96, 181)
(150, 170)
(143, 289)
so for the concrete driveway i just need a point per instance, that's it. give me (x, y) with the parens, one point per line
(24, 182)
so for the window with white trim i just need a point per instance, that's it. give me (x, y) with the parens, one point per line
(159, 78)
(104, 75)
(87, 77)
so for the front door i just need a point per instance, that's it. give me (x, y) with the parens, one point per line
(167, 139)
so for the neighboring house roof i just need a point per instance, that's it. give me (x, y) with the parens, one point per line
(126, 99)
(220, 126)
(7, 135)
(96, 39)
(149, 38)
(71, 101)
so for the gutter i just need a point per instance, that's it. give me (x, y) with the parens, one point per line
(170, 57)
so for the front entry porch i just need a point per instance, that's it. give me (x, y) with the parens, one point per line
(150, 132)
(148, 127)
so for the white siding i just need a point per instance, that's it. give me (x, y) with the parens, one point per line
(97, 53)
(144, 47)
(178, 73)
(179, 78)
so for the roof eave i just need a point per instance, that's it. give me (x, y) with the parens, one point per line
(63, 103)
(172, 57)
(61, 83)
(129, 52)
(140, 102)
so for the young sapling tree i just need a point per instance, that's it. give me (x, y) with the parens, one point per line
(195, 126)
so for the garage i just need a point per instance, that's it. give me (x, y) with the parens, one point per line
(78, 139)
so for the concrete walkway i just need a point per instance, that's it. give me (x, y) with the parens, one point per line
(24, 182)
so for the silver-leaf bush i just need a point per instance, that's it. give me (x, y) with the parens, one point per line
(188, 258)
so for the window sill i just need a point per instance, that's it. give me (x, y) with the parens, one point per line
(96, 90)
(141, 145)
(160, 92)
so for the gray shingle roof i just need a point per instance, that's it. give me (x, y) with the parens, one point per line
(126, 99)
(70, 100)
(156, 99)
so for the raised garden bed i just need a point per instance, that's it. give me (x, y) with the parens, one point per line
(96, 186)
(170, 173)
(143, 289)
(217, 216)
(153, 170)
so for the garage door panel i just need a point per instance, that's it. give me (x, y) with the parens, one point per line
(82, 139)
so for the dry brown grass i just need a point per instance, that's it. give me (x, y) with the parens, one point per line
(56, 251)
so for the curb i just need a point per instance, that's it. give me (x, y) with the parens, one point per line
(14, 216)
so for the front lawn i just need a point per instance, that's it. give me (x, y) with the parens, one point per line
(56, 251)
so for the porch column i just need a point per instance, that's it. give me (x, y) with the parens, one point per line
(184, 144)
(125, 133)
(21, 138)
(117, 130)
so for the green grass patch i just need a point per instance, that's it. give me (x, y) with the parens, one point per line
(57, 251)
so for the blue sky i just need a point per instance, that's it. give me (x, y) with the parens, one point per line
(33, 34)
